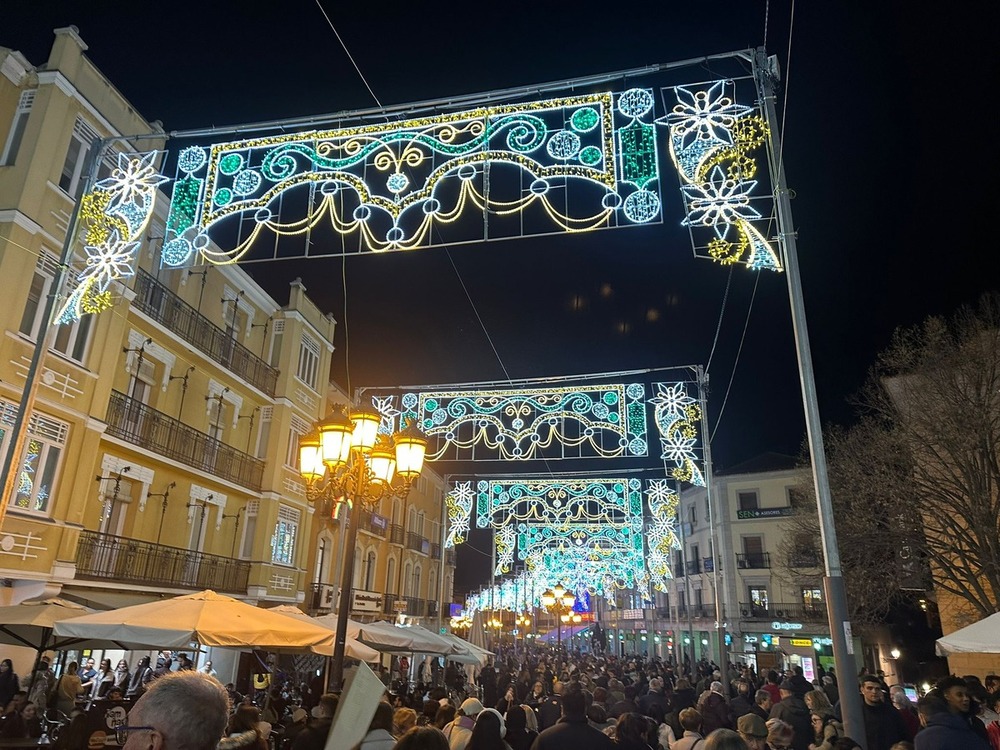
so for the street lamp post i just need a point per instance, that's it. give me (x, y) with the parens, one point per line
(559, 602)
(348, 460)
(522, 622)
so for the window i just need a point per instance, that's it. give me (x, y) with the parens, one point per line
(264, 431)
(40, 461)
(17, 128)
(370, 560)
(216, 418)
(285, 531)
(748, 500)
(308, 368)
(390, 576)
(322, 550)
(758, 597)
(72, 177)
(277, 330)
(249, 529)
(115, 495)
(415, 586)
(692, 514)
(812, 598)
(298, 428)
(71, 338)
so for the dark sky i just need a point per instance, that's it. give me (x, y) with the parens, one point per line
(888, 149)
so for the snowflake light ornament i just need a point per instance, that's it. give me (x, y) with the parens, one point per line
(133, 181)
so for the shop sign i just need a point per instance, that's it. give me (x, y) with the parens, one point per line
(746, 515)
(822, 641)
(786, 625)
(749, 639)
(367, 601)
(802, 642)
(632, 614)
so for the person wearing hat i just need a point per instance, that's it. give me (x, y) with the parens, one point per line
(792, 710)
(296, 724)
(459, 731)
(489, 732)
(753, 730)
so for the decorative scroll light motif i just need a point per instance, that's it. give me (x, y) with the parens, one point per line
(661, 531)
(711, 139)
(676, 415)
(459, 505)
(557, 502)
(574, 163)
(114, 215)
(595, 421)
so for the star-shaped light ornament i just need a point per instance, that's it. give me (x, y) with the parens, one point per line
(133, 181)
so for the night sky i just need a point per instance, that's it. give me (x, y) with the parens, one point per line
(887, 149)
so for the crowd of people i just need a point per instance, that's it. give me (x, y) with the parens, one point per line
(536, 700)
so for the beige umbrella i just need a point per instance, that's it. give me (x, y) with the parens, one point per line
(206, 618)
(355, 649)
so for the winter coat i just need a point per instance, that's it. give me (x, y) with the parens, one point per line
(690, 741)
(883, 726)
(715, 714)
(740, 706)
(654, 704)
(948, 731)
(459, 732)
(572, 732)
(793, 710)
(377, 739)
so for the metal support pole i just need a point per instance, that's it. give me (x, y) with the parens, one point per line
(720, 613)
(444, 538)
(344, 608)
(766, 76)
(687, 577)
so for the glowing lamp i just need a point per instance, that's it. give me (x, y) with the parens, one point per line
(411, 445)
(548, 598)
(310, 458)
(894, 653)
(382, 462)
(335, 438)
(366, 423)
(568, 600)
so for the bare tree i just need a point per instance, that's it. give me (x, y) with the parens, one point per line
(916, 483)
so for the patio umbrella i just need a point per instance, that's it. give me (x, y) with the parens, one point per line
(355, 649)
(981, 637)
(389, 638)
(475, 655)
(205, 617)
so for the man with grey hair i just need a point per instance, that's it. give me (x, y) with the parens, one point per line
(180, 711)
(654, 703)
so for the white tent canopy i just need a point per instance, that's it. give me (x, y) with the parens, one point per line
(475, 655)
(416, 640)
(981, 637)
(354, 648)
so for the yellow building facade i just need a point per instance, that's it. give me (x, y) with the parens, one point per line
(162, 450)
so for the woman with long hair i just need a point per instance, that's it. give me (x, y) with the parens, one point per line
(518, 736)
(423, 738)
(68, 688)
(632, 732)
(121, 675)
(142, 676)
(243, 730)
(76, 734)
(8, 683)
(489, 731)
(103, 681)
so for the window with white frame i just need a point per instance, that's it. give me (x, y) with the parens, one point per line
(277, 333)
(249, 529)
(71, 178)
(308, 367)
(264, 431)
(39, 463)
(10, 149)
(71, 338)
(296, 430)
(285, 532)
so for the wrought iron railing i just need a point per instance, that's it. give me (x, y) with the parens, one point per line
(374, 523)
(158, 302)
(115, 558)
(435, 550)
(752, 560)
(417, 543)
(778, 611)
(396, 533)
(139, 424)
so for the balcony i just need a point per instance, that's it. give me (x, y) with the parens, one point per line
(696, 611)
(435, 550)
(104, 557)
(753, 560)
(396, 533)
(796, 612)
(141, 425)
(417, 543)
(162, 305)
(375, 524)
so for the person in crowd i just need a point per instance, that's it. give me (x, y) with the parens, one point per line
(103, 680)
(403, 719)
(684, 696)
(550, 709)
(488, 683)
(598, 718)
(244, 730)
(519, 737)
(627, 705)
(753, 730)
(182, 711)
(537, 695)
(691, 739)
(572, 730)
(725, 739)
(742, 703)
(945, 728)
(957, 695)
(445, 715)
(632, 732)
(771, 686)
(32, 721)
(313, 737)
(489, 732)
(140, 679)
(883, 726)
(9, 683)
(792, 710)
(68, 688)
(40, 685)
(459, 730)
(88, 674)
(762, 704)
(780, 734)
(75, 735)
(379, 735)
(12, 724)
(907, 711)
(121, 675)
(164, 661)
(295, 724)
(715, 710)
(422, 738)
(830, 688)
(815, 699)
(826, 729)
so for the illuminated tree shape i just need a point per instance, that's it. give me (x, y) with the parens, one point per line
(113, 217)
(711, 138)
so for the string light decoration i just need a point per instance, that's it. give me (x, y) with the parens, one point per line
(113, 216)
(661, 531)
(593, 421)
(711, 140)
(557, 502)
(676, 415)
(576, 162)
(458, 503)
